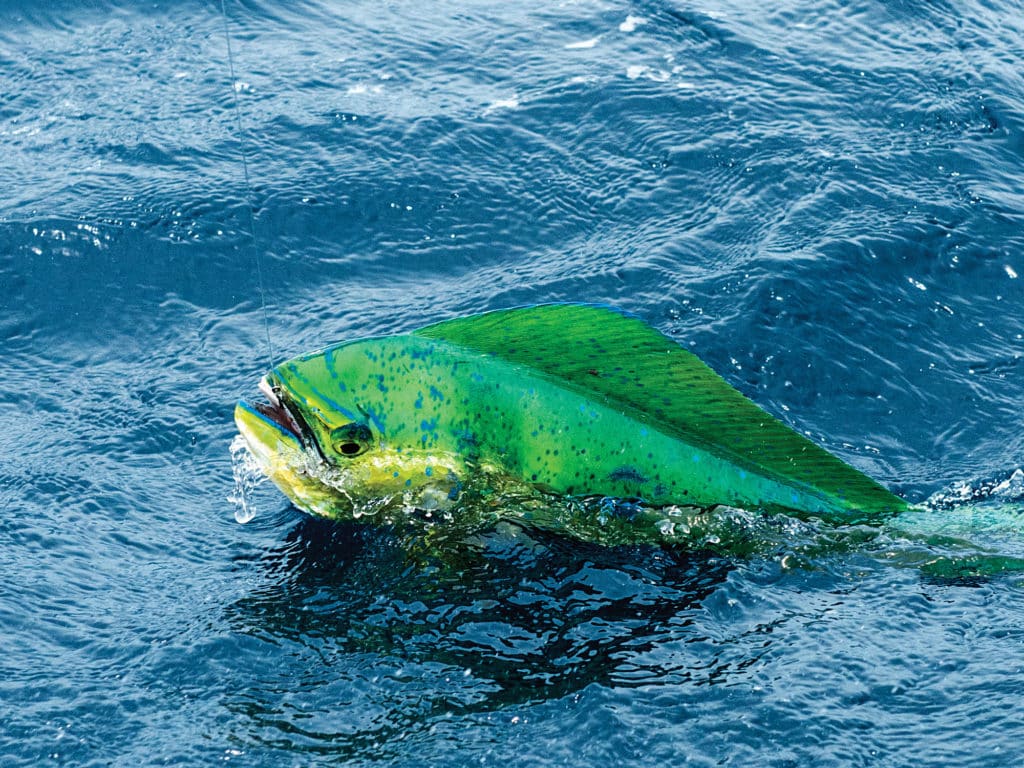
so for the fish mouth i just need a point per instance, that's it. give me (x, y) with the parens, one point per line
(283, 415)
(271, 421)
(276, 411)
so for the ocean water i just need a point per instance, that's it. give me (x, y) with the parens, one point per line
(822, 199)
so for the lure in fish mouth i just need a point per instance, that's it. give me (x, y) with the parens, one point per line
(572, 399)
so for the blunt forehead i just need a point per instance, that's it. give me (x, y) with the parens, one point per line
(323, 381)
(361, 380)
(349, 364)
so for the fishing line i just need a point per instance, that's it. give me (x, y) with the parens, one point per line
(249, 197)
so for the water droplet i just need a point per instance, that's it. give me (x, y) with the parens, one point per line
(248, 475)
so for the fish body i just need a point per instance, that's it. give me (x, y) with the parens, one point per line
(574, 400)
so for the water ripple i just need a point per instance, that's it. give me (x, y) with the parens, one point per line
(823, 201)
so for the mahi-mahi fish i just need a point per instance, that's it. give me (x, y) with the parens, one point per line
(566, 399)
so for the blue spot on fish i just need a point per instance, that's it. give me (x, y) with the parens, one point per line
(378, 421)
(627, 475)
(331, 362)
(334, 405)
(429, 471)
(436, 394)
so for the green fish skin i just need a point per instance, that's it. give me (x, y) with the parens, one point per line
(566, 399)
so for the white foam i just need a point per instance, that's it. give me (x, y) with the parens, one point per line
(510, 103)
(631, 23)
(636, 71)
(583, 44)
(361, 89)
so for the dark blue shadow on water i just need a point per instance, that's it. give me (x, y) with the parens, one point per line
(522, 619)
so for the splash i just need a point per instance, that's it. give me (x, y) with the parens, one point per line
(1008, 490)
(968, 530)
(248, 475)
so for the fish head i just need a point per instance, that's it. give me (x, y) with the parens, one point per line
(331, 437)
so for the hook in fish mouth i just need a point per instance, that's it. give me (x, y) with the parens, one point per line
(286, 415)
(276, 411)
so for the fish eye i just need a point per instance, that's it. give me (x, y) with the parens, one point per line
(351, 439)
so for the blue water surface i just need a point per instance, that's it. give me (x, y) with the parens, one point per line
(822, 199)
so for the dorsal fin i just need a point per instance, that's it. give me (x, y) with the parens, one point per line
(621, 360)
